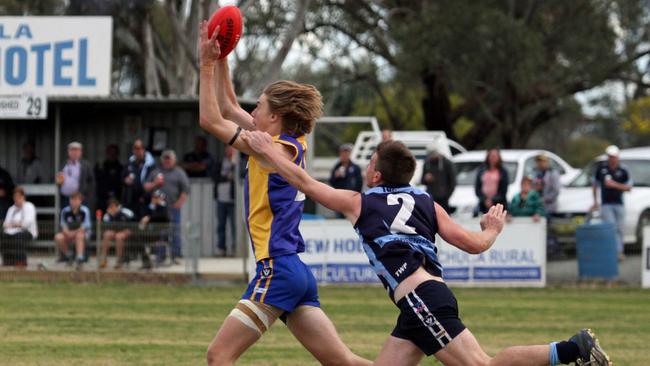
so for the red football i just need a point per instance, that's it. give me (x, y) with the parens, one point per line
(229, 17)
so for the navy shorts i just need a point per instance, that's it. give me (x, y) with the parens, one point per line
(428, 317)
(284, 282)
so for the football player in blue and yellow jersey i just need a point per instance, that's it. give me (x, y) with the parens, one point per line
(397, 224)
(283, 285)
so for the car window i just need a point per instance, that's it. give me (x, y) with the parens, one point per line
(529, 167)
(585, 177)
(639, 171)
(466, 172)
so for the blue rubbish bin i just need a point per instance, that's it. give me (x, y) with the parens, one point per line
(596, 249)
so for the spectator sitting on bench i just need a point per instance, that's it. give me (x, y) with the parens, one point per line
(116, 228)
(157, 215)
(75, 228)
(19, 228)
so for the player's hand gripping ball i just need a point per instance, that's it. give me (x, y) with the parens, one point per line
(230, 19)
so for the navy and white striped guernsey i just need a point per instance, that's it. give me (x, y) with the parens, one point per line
(397, 227)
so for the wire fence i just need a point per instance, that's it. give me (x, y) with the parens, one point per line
(156, 252)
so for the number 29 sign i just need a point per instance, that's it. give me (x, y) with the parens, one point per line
(23, 106)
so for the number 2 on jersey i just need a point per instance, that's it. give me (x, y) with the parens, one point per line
(404, 214)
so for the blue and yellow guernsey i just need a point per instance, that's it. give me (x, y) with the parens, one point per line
(273, 206)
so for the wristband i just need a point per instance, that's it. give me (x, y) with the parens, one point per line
(234, 138)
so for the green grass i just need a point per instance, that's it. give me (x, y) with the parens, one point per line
(127, 324)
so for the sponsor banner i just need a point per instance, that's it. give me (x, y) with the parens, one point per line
(645, 258)
(507, 273)
(517, 258)
(331, 241)
(55, 55)
(344, 273)
(334, 253)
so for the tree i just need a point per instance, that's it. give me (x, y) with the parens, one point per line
(32, 7)
(494, 71)
(155, 43)
(514, 63)
(637, 120)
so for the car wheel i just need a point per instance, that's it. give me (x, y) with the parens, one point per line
(644, 221)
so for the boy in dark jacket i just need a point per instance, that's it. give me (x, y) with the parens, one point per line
(154, 226)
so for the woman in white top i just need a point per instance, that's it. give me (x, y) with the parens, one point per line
(18, 229)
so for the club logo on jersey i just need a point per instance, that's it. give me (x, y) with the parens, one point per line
(267, 272)
(418, 307)
(429, 320)
(299, 197)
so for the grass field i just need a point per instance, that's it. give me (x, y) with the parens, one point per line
(126, 324)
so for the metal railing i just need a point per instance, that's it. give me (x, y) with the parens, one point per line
(157, 252)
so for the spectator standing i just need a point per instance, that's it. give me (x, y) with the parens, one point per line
(109, 177)
(346, 174)
(19, 228)
(225, 195)
(547, 184)
(439, 176)
(173, 181)
(612, 179)
(527, 203)
(140, 164)
(116, 228)
(75, 228)
(198, 163)
(491, 185)
(30, 170)
(6, 189)
(77, 176)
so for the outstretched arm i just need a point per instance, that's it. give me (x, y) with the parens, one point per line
(473, 242)
(227, 98)
(340, 200)
(211, 118)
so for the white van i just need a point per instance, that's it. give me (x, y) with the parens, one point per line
(416, 141)
(576, 199)
(366, 142)
(320, 167)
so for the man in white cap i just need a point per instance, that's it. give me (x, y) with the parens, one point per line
(613, 179)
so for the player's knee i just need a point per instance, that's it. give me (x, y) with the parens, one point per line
(109, 234)
(79, 235)
(59, 237)
(218, 355)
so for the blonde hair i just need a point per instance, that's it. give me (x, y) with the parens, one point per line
(299, 105)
